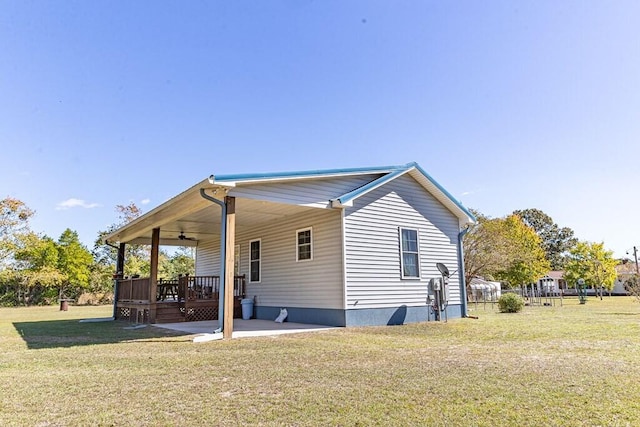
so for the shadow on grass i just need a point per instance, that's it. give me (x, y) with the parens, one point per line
(71, 333)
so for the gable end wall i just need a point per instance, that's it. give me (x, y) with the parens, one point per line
(372, 246)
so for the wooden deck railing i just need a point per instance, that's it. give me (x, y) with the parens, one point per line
(189, 288)
(192, 288)
(138, 289)
(193, 297)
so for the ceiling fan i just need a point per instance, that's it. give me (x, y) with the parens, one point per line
(183, 237)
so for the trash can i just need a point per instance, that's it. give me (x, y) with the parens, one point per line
(247, 308)
(64, 305)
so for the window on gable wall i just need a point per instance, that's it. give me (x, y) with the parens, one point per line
(304, 246)
(255, 254)
(409, 253)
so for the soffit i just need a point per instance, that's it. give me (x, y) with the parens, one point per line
(205, 223)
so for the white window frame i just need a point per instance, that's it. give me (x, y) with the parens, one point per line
(251, 260)
(301, 230)
(402, 253)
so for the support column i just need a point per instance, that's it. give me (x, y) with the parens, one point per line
(120, 260)
(153, 276)
(230, 242)
(117, 277)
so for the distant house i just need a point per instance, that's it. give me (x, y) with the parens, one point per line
(553, 282)
(624, 272)
(342, 247)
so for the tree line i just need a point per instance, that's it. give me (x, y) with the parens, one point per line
(36, 269)
(524, 246)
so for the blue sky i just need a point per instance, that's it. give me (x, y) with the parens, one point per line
(509, 105)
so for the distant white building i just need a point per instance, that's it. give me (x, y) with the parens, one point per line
(552, 282)
(624, 272)
(484, 290)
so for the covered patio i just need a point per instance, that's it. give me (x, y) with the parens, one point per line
(205, 212)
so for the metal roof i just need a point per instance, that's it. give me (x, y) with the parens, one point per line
(391, 173)
(189, 204)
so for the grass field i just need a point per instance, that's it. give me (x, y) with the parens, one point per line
(576, 365)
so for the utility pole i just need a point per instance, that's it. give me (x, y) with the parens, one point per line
(635, 255)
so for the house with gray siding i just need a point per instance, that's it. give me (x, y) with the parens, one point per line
(344, 247)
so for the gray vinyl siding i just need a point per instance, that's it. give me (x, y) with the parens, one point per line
(310, 192)
(317, 283)
(372, 245)
(208, 257)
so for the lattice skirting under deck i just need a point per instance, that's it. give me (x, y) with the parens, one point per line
(195, 314)
(133, 315)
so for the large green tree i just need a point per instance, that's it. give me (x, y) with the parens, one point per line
(593, 263)
(486, 250)
(504, 249)
(33, 277)
(528, 262)
(556, 240)
(74, 261)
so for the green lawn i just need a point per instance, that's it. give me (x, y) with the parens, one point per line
(576, 365)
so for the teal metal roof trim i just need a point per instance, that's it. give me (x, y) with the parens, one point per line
(445, 192)
(301, 174)
(390, 173)
(400, 170)
(352, 195)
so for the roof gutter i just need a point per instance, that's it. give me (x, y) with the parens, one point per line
(223, 256)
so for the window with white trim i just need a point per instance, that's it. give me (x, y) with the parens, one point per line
(409, 253)
(304, 245)
(255, 256)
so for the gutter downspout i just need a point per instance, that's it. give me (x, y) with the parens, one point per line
(461, 273)
(223, 256)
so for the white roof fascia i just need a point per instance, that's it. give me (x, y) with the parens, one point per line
(142, 219)
(235, 180)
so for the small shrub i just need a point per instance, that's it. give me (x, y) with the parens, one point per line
(510, 303)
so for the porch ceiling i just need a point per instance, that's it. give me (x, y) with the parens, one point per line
(204, 223)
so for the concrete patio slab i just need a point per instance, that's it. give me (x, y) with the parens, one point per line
(245, 328)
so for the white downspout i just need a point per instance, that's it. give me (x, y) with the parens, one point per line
(461, 274)
(223, 255)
